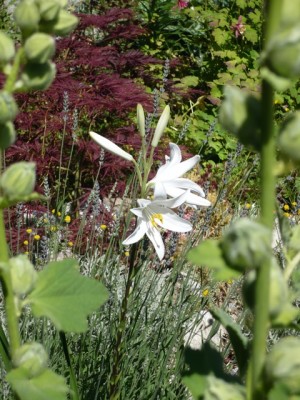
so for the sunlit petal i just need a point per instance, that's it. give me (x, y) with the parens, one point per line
(156, 239)
(137, 234)
(110, 146)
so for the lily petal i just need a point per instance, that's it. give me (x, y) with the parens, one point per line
(137, 234)
(191, 198)
(186, 184)
(171, 221)
(110, 146)
(156, 239)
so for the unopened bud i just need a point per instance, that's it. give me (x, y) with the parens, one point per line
(240, 115)
(289, 137)
(66, 23)
(23, 274)
(283, 53)
(283, 365)
(7, 48)
(27, 17)
(18, 180)
(7, 135)
(8, 107)
(246, 244)
(38, 76)
(161, 126)
(49, 9)
(31, 357)
(39, 48)
(140, 119)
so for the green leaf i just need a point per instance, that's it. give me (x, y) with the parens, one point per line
(196, 384)
(209, 254)
(238, 341)
(46, 386)
(190, 80)
(65, 296)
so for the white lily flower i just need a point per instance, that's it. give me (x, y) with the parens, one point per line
(168, 181)
(110, 146)
(152, 215)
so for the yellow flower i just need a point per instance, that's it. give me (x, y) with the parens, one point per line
(53, 211)
(58, 213)
(294, 203)
(126, 253)
(103, 227)
(53, 228)
(247, 206)
(229, 281)
(26, 242)
(26, 252)
(29, 230)
(205, 293)
(286, 214)
(36, 237)
(45, 220)
(286, 207)
(70, 244)
(67, 219)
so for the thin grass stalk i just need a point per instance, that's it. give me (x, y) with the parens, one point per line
(267, 204)
(73, 381)
(118, 354)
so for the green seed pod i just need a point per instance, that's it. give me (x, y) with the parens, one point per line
(7, 135)
(39, 48)
(8, 107)
(283, 365)
(283, 53)
(289, 137)
(23, 275)
(246, 244)
(240, 115)
(49, 9)
(7, 48)
(27, 17)
(38, 76)
(32, 357)
(18, 180)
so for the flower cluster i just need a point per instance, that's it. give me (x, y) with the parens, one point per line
(170, 189)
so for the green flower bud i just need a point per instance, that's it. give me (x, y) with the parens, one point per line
(38, 76)
(290, 13)
(23, 274)
(283, 365)
(246, 244)
(289, 137)
(8, 107)
(218, 389)
(140, 119)
(7, 48)
(18, 180)
(161, 126)
(32, 357)
(240, 115)
(27, 17)
(283, 53)
(64, 24)
(7, 135)
(49, 9)
(39, 48)
(278, 295)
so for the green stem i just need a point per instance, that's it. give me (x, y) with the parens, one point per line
(73, 382)
(13, 76)
(11, 315)
(267, 203)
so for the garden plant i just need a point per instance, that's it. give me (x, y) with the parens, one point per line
(128, 271)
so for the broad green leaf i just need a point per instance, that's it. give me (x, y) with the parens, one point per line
(190, 80)
(46, 386)
(238, 341)
(286, 317)
(279, 392)
(66, 297)
(209, 254)
(196, 384)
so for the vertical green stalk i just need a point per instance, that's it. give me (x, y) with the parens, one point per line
(12, 320)
(267, 204)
